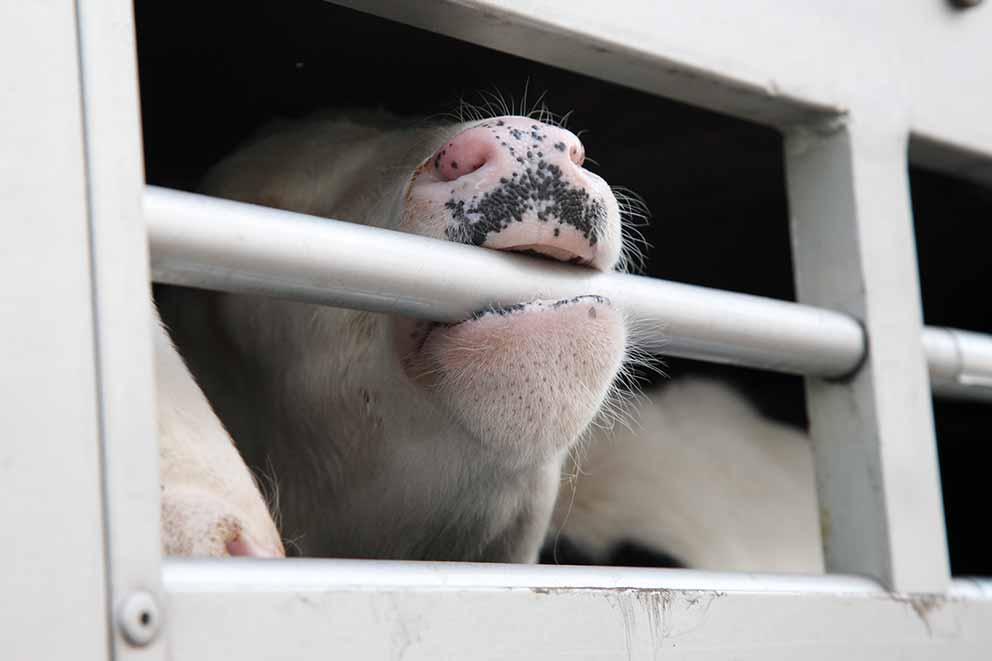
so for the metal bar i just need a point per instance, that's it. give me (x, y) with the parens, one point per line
(960, 362)
(122, 317)
(391, 610)
(873, 437)
(52, 569)
(218, 244)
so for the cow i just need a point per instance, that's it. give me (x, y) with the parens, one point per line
(389, 437)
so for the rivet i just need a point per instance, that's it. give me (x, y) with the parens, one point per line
(139, 618)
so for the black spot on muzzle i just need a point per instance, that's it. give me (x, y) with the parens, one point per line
(540, 189)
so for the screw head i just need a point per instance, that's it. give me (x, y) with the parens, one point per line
(139, 618)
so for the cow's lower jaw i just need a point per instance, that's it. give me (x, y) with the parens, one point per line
(525, 380)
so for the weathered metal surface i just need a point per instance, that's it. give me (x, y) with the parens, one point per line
(395, 610)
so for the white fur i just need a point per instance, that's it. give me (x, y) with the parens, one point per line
(702, 476)
(373, 459)
(210, 503)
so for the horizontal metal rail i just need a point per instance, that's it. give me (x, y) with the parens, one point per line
(320, 574)
(200, 241)
(960, 362)
(372, 609)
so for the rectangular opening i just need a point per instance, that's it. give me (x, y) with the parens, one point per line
(713, 183)
(952, 235)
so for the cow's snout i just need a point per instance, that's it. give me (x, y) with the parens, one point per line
(513, 183)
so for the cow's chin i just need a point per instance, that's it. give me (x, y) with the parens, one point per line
(525, 380)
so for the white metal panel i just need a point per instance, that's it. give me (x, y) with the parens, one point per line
(122, 308)
(304, 609)
(766, 60)
(875, 455)
(52, 571)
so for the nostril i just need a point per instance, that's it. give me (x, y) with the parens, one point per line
(465, 154)
(577, 153)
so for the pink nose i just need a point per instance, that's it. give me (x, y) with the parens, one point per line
(513, 183)
(520, 138)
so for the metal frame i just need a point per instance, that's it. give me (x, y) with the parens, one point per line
(81, 463)
(77, 387)
(852, 232)
(50, 468)
(419, 610)
(219, 244)
(122, 318)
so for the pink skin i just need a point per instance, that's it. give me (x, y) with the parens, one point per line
(483, 158)
(560, 343)
(478, 375)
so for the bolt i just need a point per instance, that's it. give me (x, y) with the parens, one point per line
(139, 618)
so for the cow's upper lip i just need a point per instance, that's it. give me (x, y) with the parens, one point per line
(548, 251)
(551, 239)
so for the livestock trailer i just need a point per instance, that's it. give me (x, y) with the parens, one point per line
(857, 91)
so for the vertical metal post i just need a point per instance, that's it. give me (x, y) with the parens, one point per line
(876, 463)
(122, 320)
(52, 562)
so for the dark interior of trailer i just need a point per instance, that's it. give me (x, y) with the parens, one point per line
(211, 74)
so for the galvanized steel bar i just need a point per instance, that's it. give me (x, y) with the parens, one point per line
(218, 244)
(960, 362)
